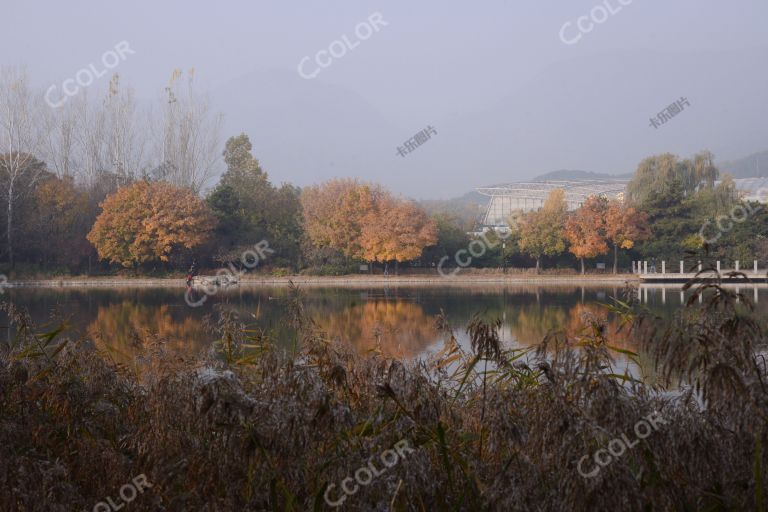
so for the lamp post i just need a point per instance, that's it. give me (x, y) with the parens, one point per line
(504, 256)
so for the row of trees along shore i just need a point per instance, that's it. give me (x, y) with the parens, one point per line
(99, 186)
(591, 231)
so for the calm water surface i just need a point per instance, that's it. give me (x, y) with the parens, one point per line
(400, 320)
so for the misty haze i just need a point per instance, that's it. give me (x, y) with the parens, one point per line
(383, 256)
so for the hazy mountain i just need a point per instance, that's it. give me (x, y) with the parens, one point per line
(307, 131)
(752, 166)
(576, 113)
(566, 175)
(467, 208)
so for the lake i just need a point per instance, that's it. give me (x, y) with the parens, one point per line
(398, 320)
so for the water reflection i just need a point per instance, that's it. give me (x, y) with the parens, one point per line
(124, 328)
(397, 321)
(398, 327)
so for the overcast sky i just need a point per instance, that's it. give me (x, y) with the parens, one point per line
(507, 97)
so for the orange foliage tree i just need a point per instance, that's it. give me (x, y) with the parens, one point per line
(364, 222)
(625, 226)
(146, 222)
(58, 221)
(396, 230)
(333, 214)
(586, 229)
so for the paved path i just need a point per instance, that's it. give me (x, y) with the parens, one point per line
(376, 281)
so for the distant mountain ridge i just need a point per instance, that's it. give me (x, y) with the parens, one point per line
(575, 175)
(468, 206)
(752, 166)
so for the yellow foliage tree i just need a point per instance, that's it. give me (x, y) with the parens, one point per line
(541, 232)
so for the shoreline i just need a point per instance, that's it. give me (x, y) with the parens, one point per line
(338, 281)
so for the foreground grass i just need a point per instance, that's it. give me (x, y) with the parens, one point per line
(254, 428)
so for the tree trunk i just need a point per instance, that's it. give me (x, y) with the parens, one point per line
(582, 265)
(397, 267)
(615, 258)
(538, 265)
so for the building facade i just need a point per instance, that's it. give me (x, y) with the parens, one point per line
(526, 197)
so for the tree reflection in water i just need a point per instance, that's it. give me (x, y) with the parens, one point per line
(123, 329)
(398, 327)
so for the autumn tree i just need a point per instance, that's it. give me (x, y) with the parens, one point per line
(586, 229)
(541, 232)
(395, 230)
(333, 214)
(624, 227)
(56, 223)
(364, 222)
(146, 222)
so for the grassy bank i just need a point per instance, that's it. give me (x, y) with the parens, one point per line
(251, 427)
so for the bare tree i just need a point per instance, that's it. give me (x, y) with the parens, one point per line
(125, 143)
(96, 140)
(59, 144)
(190, 147)
(20, 139)
(90, 154)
